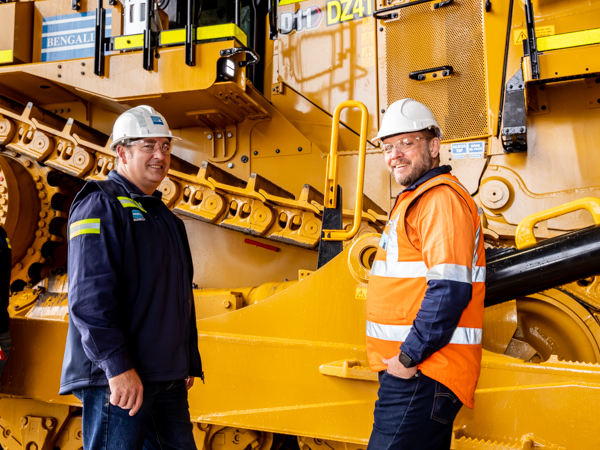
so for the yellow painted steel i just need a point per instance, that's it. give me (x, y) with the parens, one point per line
(524, 236)
(332, 171)
(300, 343)
(6, 56)
(574, 39)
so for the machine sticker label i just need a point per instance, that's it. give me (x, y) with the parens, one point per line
(157, 120)
(347, 10)
(71, 36)
(137, 215)
(521, 34)
(476, 149)
(307, 18)
(459, 150)
(361, 293)
(383, 241)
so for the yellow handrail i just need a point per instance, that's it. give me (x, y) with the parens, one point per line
(524, 237)
(332, 171)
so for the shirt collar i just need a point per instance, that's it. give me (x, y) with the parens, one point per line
(133, 190)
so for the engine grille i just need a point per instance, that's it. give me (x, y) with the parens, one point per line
(422, 38)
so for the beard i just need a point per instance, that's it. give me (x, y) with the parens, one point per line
(418, 167)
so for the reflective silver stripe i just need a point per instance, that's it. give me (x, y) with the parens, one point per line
(396, 269)
(399, 333)
(392, 247)
(388, 332)
(450, 272)
(479, 274)
(477, 235)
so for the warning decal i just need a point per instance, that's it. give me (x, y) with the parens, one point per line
(361, 293)
(521, 34)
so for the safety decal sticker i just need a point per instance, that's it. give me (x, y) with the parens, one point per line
(347, 10)
(476, 149)
(459, 150)
(383, 241)
(137, 215)
(157, 120)
(361, 293)
(521, 34)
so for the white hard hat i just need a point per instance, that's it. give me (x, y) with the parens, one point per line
(138, 123)
(407, 116)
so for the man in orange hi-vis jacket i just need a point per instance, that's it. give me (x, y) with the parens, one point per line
(426, 291)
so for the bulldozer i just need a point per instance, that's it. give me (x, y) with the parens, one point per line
(284, 197)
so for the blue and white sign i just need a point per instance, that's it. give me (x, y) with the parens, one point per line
(71, 36)
(476, 149)
(459, 150)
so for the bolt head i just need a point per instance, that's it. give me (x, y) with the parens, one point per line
(230, 165)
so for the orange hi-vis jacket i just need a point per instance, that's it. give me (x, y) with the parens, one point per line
(427, 284)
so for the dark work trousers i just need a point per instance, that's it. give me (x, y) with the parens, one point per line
(162, 423)
(413, 414)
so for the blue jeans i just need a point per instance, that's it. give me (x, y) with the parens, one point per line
(5, 344)
(163, 421)
(415, 413)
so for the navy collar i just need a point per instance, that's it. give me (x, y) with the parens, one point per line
(133, 190)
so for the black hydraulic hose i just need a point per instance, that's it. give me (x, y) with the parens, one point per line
(555, 261)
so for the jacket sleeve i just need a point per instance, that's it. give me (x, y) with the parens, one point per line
(93, 267)
(445, 232)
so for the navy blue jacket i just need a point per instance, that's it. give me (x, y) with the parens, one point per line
(130, 289)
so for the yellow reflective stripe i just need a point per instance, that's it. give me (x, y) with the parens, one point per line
(221, 31)
(86, 226)
(8, 243)
(132, 41)
(172, 37)
(227, 30)
(566, 40)
(6, 56)
(127, 202)
(289, 2)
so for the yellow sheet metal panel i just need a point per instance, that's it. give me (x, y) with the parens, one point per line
(576, 39)
(125, 42)
(16, 23)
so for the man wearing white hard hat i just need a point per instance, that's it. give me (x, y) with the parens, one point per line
(132, 344)
(426, 290)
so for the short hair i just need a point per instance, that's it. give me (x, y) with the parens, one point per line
(429, 133)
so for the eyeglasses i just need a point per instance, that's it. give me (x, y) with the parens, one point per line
(150, 146)
(403, 145)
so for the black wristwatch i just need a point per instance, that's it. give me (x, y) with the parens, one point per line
(406, 360)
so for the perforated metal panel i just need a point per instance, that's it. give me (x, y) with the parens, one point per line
(422, 38)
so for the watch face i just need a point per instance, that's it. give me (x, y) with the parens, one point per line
(406, 361)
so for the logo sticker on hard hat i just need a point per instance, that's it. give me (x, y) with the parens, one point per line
(157, 120)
